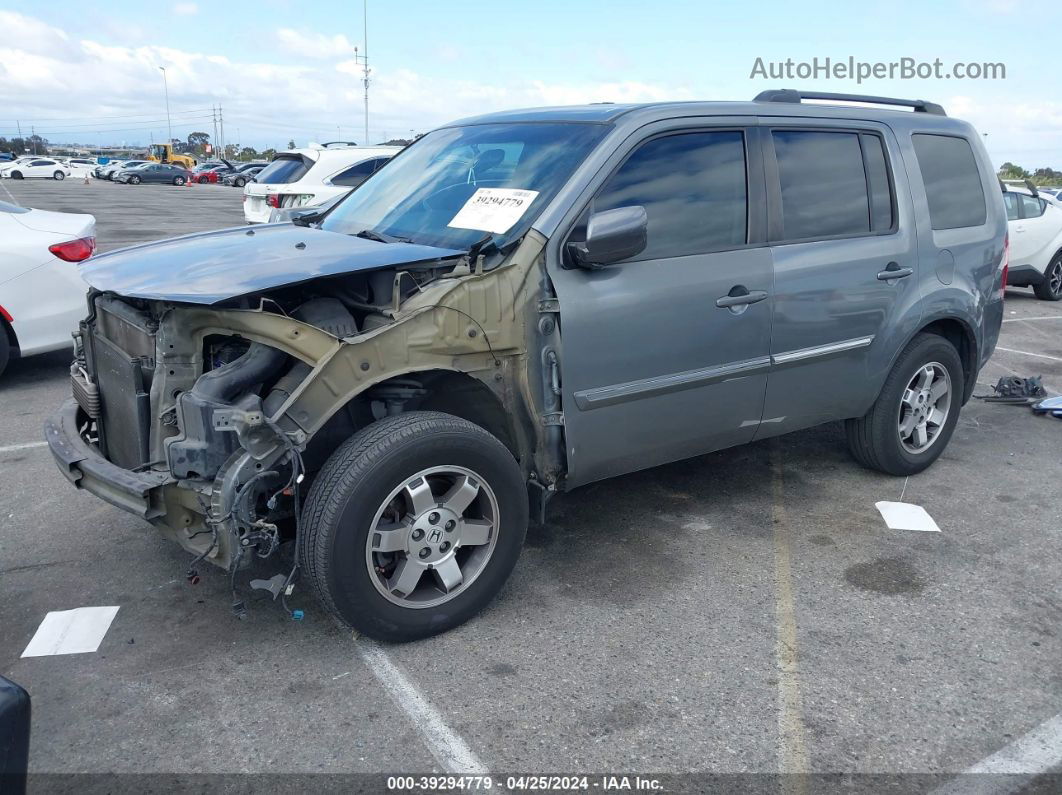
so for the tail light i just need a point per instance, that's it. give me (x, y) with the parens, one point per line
(74, 250)
(273, 200)
(1006, 266)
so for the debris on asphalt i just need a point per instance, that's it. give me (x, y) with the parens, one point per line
(1016, 391)
(76, 631)
(1051, 405)
(906, 516)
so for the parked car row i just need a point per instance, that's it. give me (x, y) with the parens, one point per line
(1034, 223)
(219, 171)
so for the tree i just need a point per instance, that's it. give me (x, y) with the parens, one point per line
(1046, 176)
(248, 153)
(198, 142)
(1010, 171)
(268, 154)
(291, 143)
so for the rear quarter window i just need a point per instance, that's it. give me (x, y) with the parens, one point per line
(954, 191)
(283, 171)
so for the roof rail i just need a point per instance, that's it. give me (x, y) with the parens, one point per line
(792, 95)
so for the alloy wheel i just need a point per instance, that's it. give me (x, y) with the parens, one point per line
(924, 407)
(432, 537)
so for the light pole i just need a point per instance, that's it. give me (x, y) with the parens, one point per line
(166, 88)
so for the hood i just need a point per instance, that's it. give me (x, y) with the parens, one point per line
(217, 266)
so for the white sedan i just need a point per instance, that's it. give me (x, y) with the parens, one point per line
(42, 296)
(38, 167)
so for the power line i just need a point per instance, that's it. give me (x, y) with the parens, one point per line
(129, 116)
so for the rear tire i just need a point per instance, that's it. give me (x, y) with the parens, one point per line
(368, 483)
(178, 181)
(878, 440)
(1051, 287)
(5, 347)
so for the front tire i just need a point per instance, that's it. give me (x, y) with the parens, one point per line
(5, 348)
(239, 182)
(915, 414)
(134, 180)
(58, 176)
(1051, 287)
(413, 525)
(17, 175)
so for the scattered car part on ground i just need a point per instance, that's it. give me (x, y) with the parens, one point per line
(400, 358)
(309, 177)
(1016, 390)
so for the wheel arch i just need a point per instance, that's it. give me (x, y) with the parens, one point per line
(961, 335)
(446, 391)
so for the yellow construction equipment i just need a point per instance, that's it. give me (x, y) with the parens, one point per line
(163, 153)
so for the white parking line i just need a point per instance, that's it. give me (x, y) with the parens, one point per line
(24, 446)
(1027, 319)
(1027, 353)
(1011, 768)
(445, 744)
(13, 199)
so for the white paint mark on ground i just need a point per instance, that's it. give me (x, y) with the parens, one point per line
(76, 631)
(449, 750)
(906, 516)
(24, 446)
(1027, 353)
(1029, 319)
(1012, 768)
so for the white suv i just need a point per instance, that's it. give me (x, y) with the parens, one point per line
(1035, 226)
(309, 177)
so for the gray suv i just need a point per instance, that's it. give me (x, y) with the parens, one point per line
(528, 302)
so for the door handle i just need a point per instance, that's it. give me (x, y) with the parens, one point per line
(740, 296)
(894, 271)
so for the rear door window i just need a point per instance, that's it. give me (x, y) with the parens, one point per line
(693, 189)
(1010, 201)
(953, 184)
(1031, 207)
(356, 174)
(284, 170)
(823, 184)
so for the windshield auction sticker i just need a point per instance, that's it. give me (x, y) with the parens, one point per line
(493, 209)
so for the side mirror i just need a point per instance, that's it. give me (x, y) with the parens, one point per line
(611, 236)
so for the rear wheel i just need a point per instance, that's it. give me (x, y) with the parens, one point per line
(913, 418)
(178, 181)
(59, 175)
(413, 525)
(1050, 289)
(5, 348)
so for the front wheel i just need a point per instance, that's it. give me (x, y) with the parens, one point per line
(134, 180)
(5, 348)
(239, 182)
(915, 414)
(17, 175)
(1050, 289)
(59, 176)
(413, 525)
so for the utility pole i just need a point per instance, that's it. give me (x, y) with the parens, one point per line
(166, 88)
(214, 117)
(363, 59)
(221, 127)
(33, 137)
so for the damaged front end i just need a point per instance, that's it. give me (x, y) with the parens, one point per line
(204, 416)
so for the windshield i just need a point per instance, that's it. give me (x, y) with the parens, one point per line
(455, 186)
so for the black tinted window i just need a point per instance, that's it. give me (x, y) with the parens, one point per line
(877, 170)
(356, 174)
(823, 184)
(283, 170)
(953, 184)
(692, 187)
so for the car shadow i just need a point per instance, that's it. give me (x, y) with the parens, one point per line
(35, 370)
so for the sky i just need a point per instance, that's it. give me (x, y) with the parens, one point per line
(283, 70)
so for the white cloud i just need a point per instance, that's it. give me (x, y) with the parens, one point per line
(315, 45)
(46, 74)
(186, 9)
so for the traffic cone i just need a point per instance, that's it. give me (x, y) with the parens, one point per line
(86, 178)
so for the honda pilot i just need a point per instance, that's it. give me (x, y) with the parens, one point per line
(524, 303)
